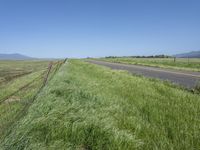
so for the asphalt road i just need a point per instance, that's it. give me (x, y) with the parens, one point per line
(187, 79)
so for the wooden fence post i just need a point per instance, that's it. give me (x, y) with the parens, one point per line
(46, 77)
(174, 59)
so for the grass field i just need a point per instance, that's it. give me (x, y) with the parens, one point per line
(89, 107)
(17, 93)
(191, 64)
(10, 70)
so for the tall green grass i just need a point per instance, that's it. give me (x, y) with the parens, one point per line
(12, 108)
(14, 85)
(91, 107)
(17, 95)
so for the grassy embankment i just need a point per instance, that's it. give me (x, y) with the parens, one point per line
(91, 107)
(17, 93)
(193, 64)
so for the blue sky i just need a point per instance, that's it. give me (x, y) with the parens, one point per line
(81, 28)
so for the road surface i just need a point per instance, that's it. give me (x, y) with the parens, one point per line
(187, 79)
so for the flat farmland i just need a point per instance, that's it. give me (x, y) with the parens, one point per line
(12, 69)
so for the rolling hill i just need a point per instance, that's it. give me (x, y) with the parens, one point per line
(193, 54)
(14, 56)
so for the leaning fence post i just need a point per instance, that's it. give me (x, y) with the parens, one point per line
(65, 60)
(48, 71)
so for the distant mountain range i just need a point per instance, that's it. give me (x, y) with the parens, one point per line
(193, 54)
(15, 56)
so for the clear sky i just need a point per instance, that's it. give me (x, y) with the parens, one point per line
(81, 28)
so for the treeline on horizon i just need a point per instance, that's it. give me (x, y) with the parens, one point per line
(151, 56)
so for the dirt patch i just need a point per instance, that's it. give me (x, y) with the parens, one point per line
(12, 99)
